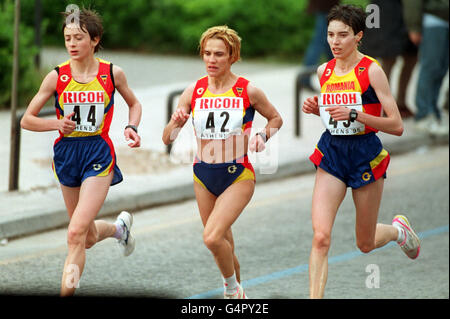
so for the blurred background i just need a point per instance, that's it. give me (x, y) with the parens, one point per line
(278, 31)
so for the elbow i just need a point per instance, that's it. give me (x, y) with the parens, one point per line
(280, 123)
(399, 131)
(165, 140)
(23, 123)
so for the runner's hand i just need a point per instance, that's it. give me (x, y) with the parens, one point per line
(66, 125)
(311, 105)
(257, 144)
(339, 113)
(180, 117)
(132, 137)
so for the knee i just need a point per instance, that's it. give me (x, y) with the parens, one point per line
(365, 247)
(212, 242)
(76, 236)
(321, 241)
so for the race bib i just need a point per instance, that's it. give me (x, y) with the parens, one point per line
(218, 117)
(89, 107)
(351, 100)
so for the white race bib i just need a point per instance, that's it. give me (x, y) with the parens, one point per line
(218, 117)
(351, 100)
(89, 108)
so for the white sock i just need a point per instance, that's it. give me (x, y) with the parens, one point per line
(230, 284)
(119, 230)
(401, 235)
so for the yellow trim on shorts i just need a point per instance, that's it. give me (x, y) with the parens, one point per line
(377, 160)
(106, 171)
(54, 171)
(196, 179)
(245, 175)
(317, 148)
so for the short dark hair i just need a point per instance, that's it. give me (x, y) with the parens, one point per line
(351, 15)
(90, 22)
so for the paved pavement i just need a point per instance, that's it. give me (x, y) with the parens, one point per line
(151, 177)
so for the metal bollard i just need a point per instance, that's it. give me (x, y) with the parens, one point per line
(170, 99)
(308, 71)
(14, 176)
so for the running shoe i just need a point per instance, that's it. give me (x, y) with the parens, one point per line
(411, 243)
(239, 294)
(127, 242)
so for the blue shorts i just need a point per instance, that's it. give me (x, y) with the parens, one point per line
(216, 178)
(77, 158)
(357, 160)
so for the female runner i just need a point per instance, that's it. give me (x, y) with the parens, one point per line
(84, 160)
(354, 93)
(222, 105)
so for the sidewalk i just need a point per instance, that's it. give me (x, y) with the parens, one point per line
(150, 176)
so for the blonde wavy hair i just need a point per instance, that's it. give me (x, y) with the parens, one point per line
(228, 36)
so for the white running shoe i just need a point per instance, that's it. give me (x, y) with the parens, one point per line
(411, 243)
(239, 294)
(127, 242)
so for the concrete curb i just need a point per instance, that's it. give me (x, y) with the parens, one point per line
(27, 223)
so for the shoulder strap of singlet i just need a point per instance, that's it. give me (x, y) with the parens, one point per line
(240, 90)
(362, 72)
(105, 75)
(199, 90)
(64, 76)
(327, 72)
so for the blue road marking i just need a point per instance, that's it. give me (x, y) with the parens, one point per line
(302, 268)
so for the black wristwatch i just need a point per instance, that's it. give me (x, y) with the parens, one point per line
(133, 127)
(353, 115)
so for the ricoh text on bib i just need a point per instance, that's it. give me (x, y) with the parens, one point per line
(218, 117)
(352, 100)
(88, 107)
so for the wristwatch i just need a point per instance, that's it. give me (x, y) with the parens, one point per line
(353, 115)
(133, 127)
(263, 135)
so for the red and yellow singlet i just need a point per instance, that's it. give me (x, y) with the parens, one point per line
(352, 90)
(92, 102)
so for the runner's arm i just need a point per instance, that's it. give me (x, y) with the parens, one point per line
(135, 107)
(311, 105)
(31, 121)
(391, 123)
(261, 104)
(179, 117)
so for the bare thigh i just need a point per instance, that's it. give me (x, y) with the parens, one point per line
(228, 206)
(329, 192)
(367, 201)
(83, 203)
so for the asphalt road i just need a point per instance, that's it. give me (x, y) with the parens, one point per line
(273, 238)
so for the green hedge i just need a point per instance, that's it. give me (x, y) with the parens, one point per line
(267, 27)
(277, 28)
(29, 77)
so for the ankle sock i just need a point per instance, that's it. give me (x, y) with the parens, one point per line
(230, 284)
(119, 231)
(401, 235)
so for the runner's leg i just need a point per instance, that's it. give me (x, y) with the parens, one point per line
(369, 234)
(92, 194)
(328, 194)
